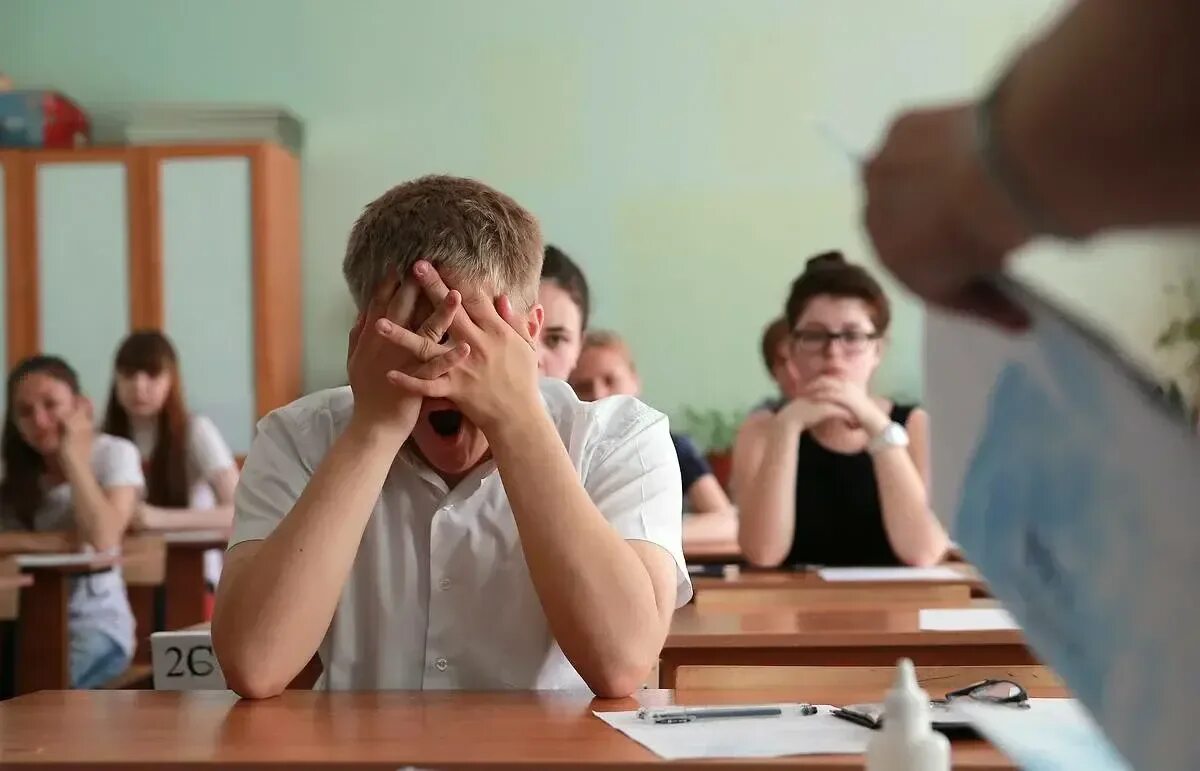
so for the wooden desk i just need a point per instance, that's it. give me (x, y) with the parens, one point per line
(843, 637)
(185, 586)
(736, 578)
(44, 636)
(712, 552)
(742, 588)
(433, 729)
(10, 594)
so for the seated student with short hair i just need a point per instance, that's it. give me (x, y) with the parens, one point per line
(565, 300)
(449, 520)
(838, 476)
(775, 344)
(60, 476)
(606, 368)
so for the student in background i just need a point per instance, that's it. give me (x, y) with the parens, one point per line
(839, 477)
(190, 472)
(606, 368)
(61, 476)
(451, 520)
(776, 346)
(563, 294)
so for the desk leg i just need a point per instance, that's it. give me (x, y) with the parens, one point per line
(43, 639)
(185, 588)
(668, 663)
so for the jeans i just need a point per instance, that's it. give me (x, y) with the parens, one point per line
(95, 658)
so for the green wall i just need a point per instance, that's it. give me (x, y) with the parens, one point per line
(672, 146)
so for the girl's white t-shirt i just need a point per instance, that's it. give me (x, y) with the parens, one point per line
(207, 455)
(97, 601)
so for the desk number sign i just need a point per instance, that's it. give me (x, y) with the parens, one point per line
(184, 661)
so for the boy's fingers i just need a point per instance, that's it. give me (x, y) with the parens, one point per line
(438, 323)
(465, 324)
(377, 307)
(430, 389)
(419, 346)
(430, 281)
(504, 308)
(439, 365)
(400, 307)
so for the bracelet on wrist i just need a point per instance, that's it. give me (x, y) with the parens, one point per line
(1000, 170)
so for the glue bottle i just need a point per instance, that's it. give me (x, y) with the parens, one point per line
(907, 742)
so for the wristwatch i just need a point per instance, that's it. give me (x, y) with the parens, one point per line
(892, 435)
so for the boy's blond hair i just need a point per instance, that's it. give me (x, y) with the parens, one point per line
(604, 338)
(480, 234)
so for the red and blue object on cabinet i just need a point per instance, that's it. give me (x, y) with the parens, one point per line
(44, 119)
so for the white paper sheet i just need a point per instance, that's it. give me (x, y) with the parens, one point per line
(936, 573)
(195, 536)
(1052, 735)
(965, 619)
(1074, 490)
(752, 737)
(55, 560)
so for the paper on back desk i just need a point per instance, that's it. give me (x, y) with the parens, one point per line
(1052, 735)
(750, 737)
(1074, 492)
(935, 573)
(965, 619)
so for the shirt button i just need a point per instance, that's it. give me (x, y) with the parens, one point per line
(444, 584)
(441, 665)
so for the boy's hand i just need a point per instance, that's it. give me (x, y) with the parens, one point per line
(382, 342)
(500, 376)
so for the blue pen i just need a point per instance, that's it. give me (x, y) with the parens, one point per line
(670, 715)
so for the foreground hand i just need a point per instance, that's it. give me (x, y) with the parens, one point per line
(500, 376)
(382, 342)
(851, 397)
(937, 220)
(78, 431)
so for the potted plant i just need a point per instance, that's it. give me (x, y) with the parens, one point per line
(713, 431)
(1183, 331)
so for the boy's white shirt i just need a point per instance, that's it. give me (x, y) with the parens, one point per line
(439, 595)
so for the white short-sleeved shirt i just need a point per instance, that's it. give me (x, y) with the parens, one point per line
(207, 456)
(439, 595)
(98, 601)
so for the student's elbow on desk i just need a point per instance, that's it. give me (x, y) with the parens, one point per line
(250, 673)
(761, 555)
(923, 555)
(618, 679)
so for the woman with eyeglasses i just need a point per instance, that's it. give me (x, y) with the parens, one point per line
(836, 476)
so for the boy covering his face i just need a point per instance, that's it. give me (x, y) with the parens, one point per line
(449, 520)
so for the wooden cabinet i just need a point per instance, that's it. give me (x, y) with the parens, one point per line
(202, 242)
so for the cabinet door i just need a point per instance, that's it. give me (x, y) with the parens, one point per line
(83, 253)
(207, 268)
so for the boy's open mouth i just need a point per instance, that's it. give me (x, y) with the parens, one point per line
(446, 423)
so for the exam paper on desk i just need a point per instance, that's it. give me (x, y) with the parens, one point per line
(1074, 490)
(750, 737)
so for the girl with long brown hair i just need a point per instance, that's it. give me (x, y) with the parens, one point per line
(190, 472)
(63, 478)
